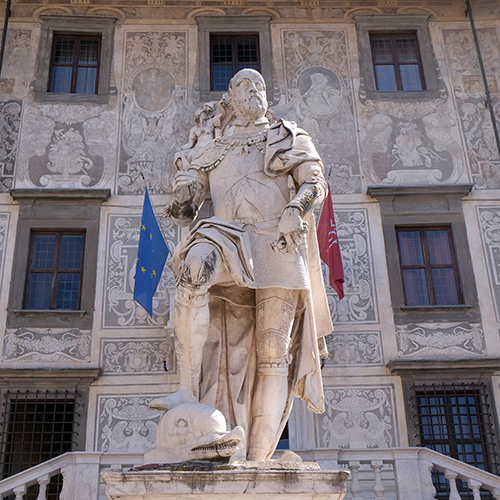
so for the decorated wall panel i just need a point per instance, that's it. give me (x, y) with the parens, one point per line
(489, 223)
(16, 62)
(358, 418)
(410, 143)
(468, 89)
(354, 349)
(359, 304)
(61, 346)
(67, 146)
(318, 95)
(10, 119)
(119, 309)
(143, 355)
(156, 118)
(441, 341)
(125, 424)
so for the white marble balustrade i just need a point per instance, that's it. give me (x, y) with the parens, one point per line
(393, 474)
(402, 473)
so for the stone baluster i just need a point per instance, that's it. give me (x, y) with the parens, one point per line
(378, 487)
(474, 486)
(355, 486)
(20, 491)
(43, 481)
(428, 489)
(452, 478)
(496, 493)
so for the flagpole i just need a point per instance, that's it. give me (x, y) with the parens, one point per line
(152, 204)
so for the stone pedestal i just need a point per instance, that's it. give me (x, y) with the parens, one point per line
(226, 485)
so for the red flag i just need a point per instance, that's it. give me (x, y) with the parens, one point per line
(329, 249)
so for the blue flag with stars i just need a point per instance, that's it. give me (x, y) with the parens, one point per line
(151, 257)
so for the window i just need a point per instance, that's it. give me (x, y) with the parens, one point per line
(75, 64)
(428, 258)
(229, 54)
(228, 44)
(74, 60)
(55, 270)
(55, 258)
(36, 426)
(428, 266)
(450, 410)
(456, 420)
(41, 419)
(396, 57)
(396, 61)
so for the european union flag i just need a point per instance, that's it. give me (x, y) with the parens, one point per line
(151, 257)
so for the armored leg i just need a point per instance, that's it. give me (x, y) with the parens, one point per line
(275, 314)
(191, 320)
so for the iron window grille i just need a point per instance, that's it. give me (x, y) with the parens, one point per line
(229, 53)
(455, 420)
(74, 64)
(429, 268)
(396, 62)
(54, 278)
(35, 427)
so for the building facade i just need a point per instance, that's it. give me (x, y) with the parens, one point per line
(95, 99)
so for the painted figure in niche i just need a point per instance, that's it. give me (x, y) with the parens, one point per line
(409, 150)
(250, 310)
(321, 97)
(407, 146)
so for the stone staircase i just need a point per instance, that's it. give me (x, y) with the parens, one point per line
(399, 473)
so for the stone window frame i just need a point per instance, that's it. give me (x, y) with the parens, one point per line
(61, 379)
(396, 23)
(419, 206)
(429, 371)
(55, 209)
(53, 23)
(232, 25)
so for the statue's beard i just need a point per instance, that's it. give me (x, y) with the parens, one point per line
(249, 108)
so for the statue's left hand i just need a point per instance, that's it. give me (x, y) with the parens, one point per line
(291, 228)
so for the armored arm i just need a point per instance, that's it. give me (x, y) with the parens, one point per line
(190, 189)
(312, 187)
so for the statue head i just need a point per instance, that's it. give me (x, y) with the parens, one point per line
(247, 94)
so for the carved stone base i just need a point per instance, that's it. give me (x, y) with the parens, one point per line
(226, 484)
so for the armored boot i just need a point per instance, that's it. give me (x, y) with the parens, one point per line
(190, 320)
(268, 412)
(275, 315)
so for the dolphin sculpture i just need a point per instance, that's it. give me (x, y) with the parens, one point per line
(193, 431)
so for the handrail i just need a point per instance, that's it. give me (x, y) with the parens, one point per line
(414, 462)
(411, 465)
(30, 476)
(62, 463)
(465, 471)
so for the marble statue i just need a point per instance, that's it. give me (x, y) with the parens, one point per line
(250, 309)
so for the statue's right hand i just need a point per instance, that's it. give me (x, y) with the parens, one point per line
(185, 185)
